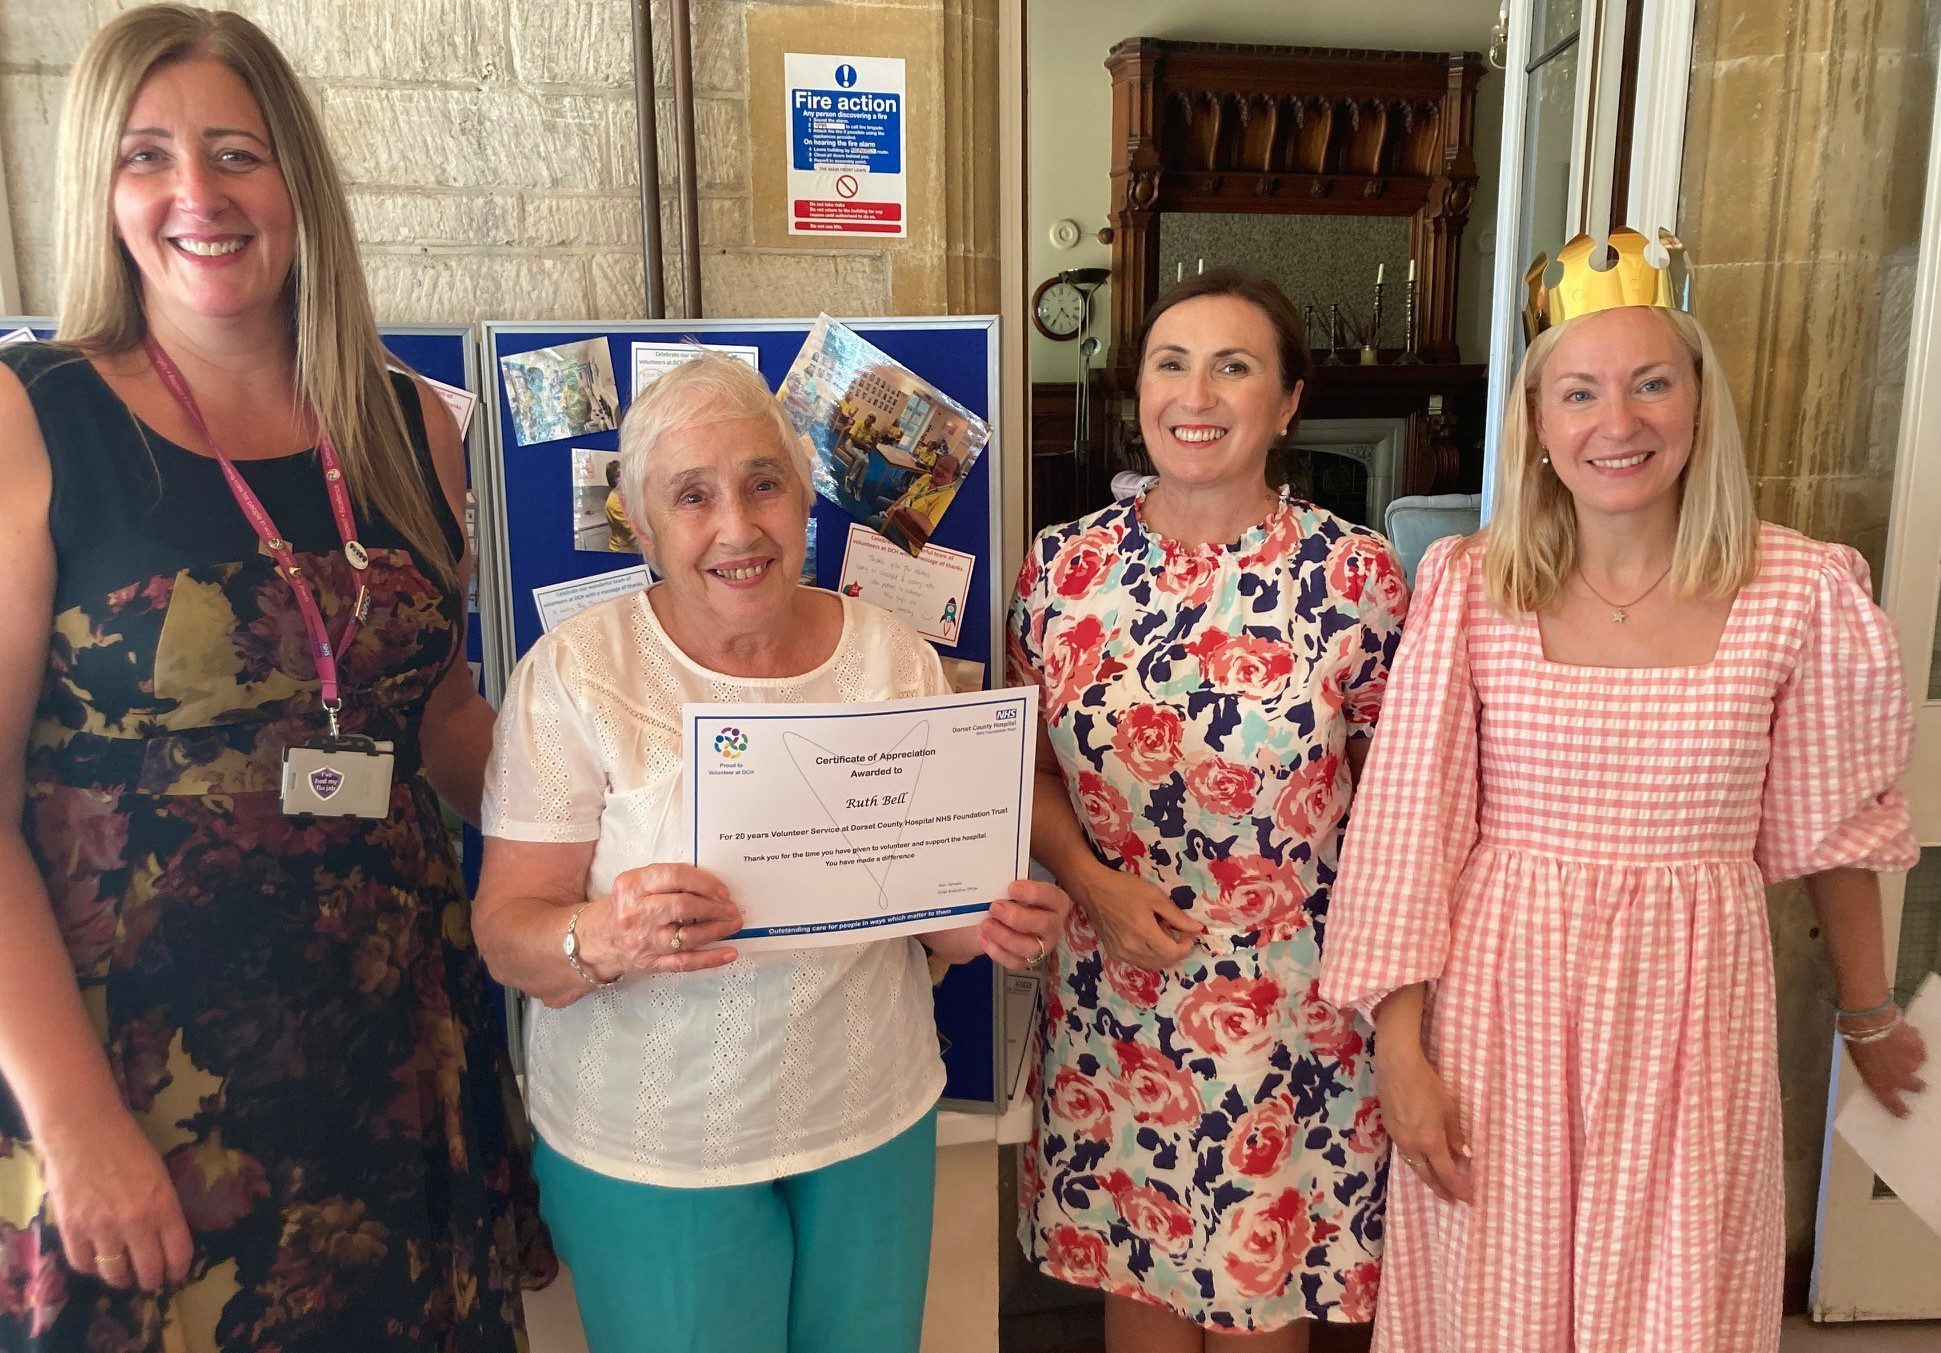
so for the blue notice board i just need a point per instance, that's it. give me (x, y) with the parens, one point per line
(527, 491)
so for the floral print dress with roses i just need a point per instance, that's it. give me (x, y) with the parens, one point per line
(1205, 1137)
(291, 1006)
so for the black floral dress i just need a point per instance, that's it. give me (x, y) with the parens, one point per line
(292, 1006)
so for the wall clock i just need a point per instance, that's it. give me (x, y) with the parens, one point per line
(1059, 308)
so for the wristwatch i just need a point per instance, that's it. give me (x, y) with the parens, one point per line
(570, 944)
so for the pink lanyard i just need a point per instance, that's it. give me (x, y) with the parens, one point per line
(286, 563)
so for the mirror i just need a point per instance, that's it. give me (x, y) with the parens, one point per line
(1315, 260)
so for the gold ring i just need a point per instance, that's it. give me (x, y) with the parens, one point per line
(119, 1260)
(678, 941)
(1041, 950)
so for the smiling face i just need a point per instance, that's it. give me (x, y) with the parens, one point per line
(1616, 408)
(724, 518)
(1210, 396)
(198, 199)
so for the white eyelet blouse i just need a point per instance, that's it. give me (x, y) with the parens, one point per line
(777, 1063)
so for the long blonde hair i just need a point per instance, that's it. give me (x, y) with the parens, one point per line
(1531, 540)
(341, 364)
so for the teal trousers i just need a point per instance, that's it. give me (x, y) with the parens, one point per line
(828, 1261)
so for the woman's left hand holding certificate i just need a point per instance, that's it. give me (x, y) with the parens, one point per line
(658, 918)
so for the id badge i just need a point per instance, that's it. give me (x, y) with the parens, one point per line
(338, 777)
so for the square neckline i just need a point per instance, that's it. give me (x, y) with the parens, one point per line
(1534, 626)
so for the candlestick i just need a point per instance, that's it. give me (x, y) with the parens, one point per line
(1371, 351)
(1381, 270)
(1334, 332)
(1411, 342)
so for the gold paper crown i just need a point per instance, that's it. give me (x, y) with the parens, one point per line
(1628, 279)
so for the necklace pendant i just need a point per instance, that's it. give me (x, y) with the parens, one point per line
(1618, 616)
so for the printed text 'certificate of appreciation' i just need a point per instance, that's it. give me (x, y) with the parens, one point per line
(833, 824)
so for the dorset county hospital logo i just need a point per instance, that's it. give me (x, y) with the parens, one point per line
(730, 743)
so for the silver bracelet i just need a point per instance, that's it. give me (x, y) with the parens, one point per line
(1875, 1035)
(1840, 1012)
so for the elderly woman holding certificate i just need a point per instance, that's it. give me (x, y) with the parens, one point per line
(737, 1150)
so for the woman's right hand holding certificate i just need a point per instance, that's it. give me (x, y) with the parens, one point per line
(659, 918)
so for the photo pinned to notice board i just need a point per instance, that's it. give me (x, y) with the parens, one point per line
(600, 523)
(561, 392)
(885, 445)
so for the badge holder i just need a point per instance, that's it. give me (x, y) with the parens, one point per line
(338, 776)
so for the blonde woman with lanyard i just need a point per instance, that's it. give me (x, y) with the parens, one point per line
(1616, 714)
(252, 1093)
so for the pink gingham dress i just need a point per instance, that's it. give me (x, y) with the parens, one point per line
(1574, 859)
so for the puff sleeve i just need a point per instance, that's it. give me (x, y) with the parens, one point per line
(545, 780)
(1413, 820)
(1842, 734)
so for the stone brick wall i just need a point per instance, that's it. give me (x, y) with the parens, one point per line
(489, 147)
(1806, 133)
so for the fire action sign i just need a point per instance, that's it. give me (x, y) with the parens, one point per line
(846, 169)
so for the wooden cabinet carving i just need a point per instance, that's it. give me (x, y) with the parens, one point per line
(1225, 127)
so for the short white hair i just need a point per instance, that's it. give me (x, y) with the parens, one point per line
(710, 387)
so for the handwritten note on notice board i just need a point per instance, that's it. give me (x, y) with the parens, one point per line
(928, 590)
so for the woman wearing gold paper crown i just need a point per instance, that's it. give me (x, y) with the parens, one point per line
(1617, 713)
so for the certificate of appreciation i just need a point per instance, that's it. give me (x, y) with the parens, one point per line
(833, 824)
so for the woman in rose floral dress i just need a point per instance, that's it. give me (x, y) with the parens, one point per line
(1211, 657)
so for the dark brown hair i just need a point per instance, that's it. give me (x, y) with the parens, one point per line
(1290, 333)
(1284, 465)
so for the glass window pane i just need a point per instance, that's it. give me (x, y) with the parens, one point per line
(1546, 156)
(1920, 926)
(1934, 663)
(1555, 20)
